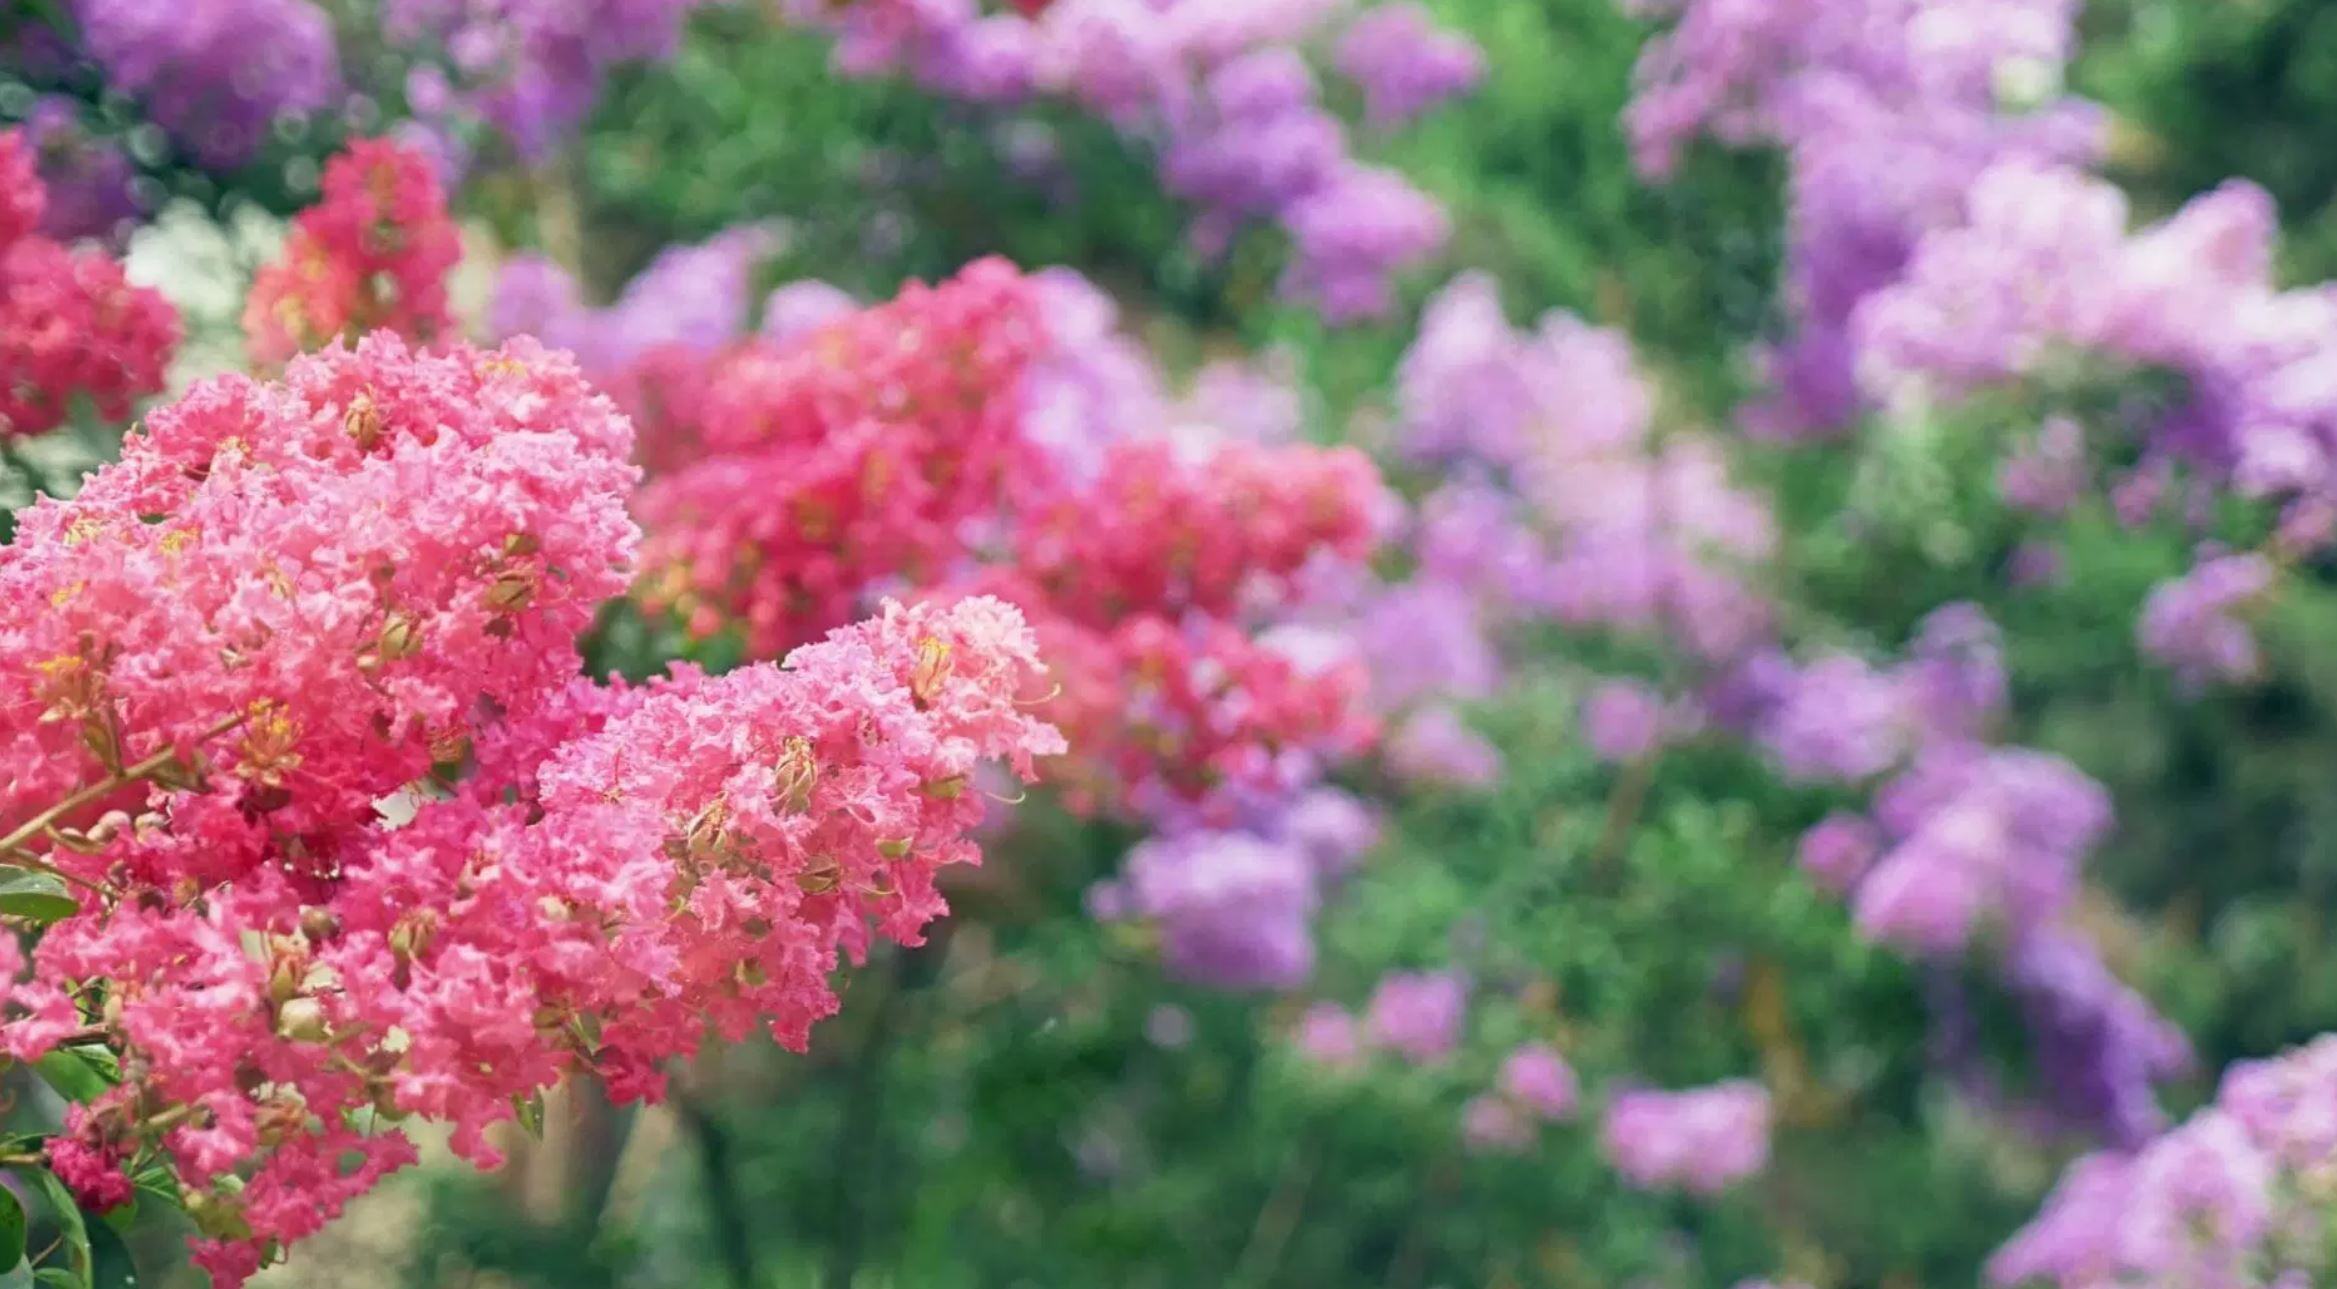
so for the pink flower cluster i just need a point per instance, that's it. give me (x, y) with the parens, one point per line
(353, 842)
(1414, 1014)
(71, 326)
(1702, 1140)
(900, 446)
(2237, 1196)
(1535, 1085)
(816, 470)
(372, 254)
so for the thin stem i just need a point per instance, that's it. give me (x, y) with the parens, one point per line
(1277, 1219)
(112, 783)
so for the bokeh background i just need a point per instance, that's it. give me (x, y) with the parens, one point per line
(1035, 1099)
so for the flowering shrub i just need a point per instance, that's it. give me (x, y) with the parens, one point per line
(1761, 725)
(286, 603)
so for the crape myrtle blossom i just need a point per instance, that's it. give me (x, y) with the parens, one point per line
(372, 254)
(1926, 94)
(1235, 906)
(72, 327)
(1581, 514)
(529, 69)
(2192, 623)
(1404, 63)
(91, 180)
(2238, 1195)
(1567, 487)
(695, 297)
(2044, 273)
(216, 75)
(1701, 1140)
(1963, 836)
(1222, 92)
(1418, 1014)
(287, 601)
(1992, 256)
(1536, 1078)
(997, 435)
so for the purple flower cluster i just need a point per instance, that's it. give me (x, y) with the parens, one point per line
(1414, 1014)
(2237, 1197)
(1568, 508)
(1702, 1140)
(1404, 63)
(1535, 1086)
(2192, 625)
(1946, 235)
(91, 182)
(2043, 273)
(1624, 720)
(531, 69)
(1417, 1014)
(216, 75)
(1963, 836)
(1887, 110)
(1235, 908)
(1221, 89)
(2099, 1046)
(697, 297)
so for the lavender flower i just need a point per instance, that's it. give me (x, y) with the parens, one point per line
(1234, 909)
(1838, 850)
(1434, 745)
(797, 307)
(1535, 1077)
(531, 69)
(2100, 1046)
(1418, 1014)
(2192, 623)
(1327, 1035)
(1623, 720)
(91, 182)
(692, 296)
(214, 74)
(1702, 1140)
(1405, 64)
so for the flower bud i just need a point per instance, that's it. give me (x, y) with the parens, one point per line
(302, 1020)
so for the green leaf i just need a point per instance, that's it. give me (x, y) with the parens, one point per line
(39, 898)
(77, 1075)
(56, 1278)
(530, 1111)
(11, 1229)
(72, 1230)
(110, 1264)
